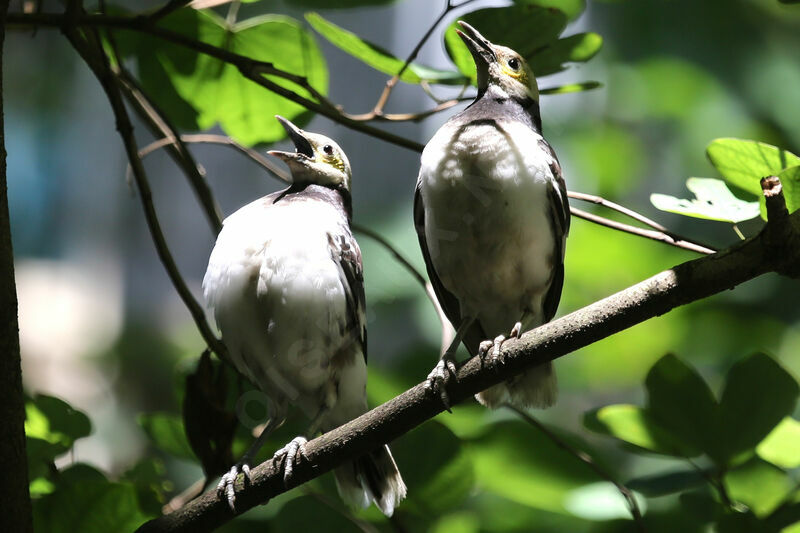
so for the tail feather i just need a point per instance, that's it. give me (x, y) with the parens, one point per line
(371, 478)
(537, 387)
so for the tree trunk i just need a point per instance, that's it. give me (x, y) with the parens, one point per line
(16, 513)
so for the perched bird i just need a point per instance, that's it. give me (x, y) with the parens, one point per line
(286, 286)
(492, 218)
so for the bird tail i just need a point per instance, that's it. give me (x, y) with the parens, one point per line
(537, 387)
(371, 478)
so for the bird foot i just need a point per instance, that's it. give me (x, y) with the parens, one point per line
(489, 351)
(225, 487)
(289, 454)
(441, 374)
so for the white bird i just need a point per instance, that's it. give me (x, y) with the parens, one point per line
(492, 218)
(286, 287)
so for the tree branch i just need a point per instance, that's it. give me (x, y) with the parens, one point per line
(775, 249)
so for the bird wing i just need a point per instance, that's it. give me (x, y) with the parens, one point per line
(347, 256)
(447, 300)
(559, 220)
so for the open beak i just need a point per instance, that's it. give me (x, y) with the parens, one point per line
(303, 150)
(480, 48)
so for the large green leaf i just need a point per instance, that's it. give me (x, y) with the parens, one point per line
(340, 4)
(571, 8)
(217, 92)
(759, 485)
(681, 401)
(524, 27)
(377, 57)
(790, 180)
(166, 432)
(55, 421)
(743, 163)
(518, 462)
(758, 394)
(441, 477)
(576, 48)
(90, 505)
(713, 201)
(635, 426)
(782, 446)
(661, 484)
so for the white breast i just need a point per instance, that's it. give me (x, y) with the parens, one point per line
(487, 220)
(277, 296)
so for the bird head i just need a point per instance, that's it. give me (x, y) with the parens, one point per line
(316, 159)
(499, 66)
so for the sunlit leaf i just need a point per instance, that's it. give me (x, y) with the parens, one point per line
(634, 425)
(506, 465)
(782, 446)
(216, 91)
(340, 4)
(681, 402)
(759, 485)
(524, 27)
(758, 394)
(600, 501)
(54, 420)
(790, 181)
(713, 201)
(378, 58)
(743, 163)
(166, 432)
(576, 48)
(571, 88)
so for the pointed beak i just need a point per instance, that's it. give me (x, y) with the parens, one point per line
(303, 150)
(480, 47)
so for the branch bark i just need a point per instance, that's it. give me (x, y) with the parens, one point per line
(775, 249)
(13, 462)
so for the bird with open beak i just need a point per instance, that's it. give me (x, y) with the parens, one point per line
(286, 287)
(492, 218)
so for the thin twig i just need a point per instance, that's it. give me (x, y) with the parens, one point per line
(584, 457)
(377, 111)
(97, 61)
(599, 200)
(649, 234)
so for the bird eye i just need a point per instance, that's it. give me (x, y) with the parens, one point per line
(328, 149)
(513, 63)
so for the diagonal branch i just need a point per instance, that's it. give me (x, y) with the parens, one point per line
(97, 61)
(775, 249)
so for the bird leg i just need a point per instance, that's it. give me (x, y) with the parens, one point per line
(297, 447)
(225, 487)
(494, 346)
(445, 369)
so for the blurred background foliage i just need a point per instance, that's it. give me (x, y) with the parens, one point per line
(102, 329)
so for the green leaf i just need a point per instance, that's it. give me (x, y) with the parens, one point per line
(55, 421)
(743, 163)
(442, 477)
(166, 432)
(505, 466)
(307, 513)
(341, 4)
(782, 446)
(600, 501)
(377, 57)
(88, 506)
(577, 48)
(634, 425)
(713, 201)
(217, 91)
(666, 483)
(758, 394)
(759, 485)
(790, 180)
(680, 401)
(571, 88)
(524, 27)
(571, 8)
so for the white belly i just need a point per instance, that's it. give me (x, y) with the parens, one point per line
(487, 222)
